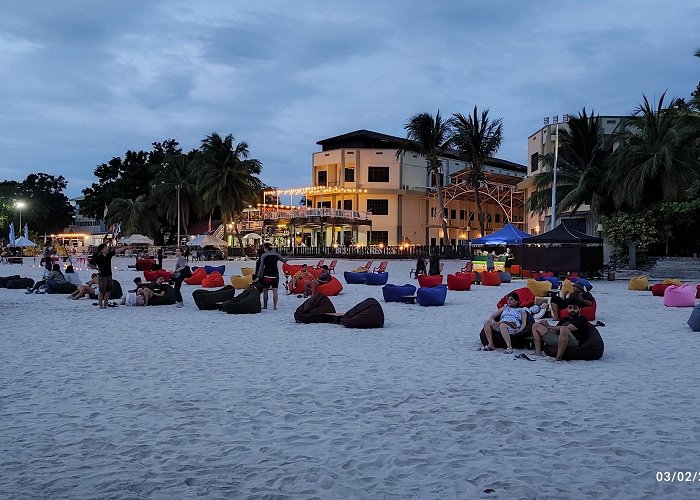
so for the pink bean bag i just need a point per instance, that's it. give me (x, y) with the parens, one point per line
(679, 296)
(426, 281)
(213, 280)
(458, 282)
(659, 289)
(490, 278)
(333, 287)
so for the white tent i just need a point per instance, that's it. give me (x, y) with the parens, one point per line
(23, 242)
(205, 240)
(138, 239)
(252, 237)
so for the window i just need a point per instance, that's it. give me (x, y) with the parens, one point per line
(462, 214)
(322, 179)
(379, 237)
(453, 214)
(444, 213)
(378, 207)
(534, 164)
(498, 218)
(323, 204)
(347, 204)
(433, 212)
(349, 175)
(378, 174)
(471, 216)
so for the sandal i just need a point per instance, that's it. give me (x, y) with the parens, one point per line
(599, 323)
(508, 351)
(486, 348)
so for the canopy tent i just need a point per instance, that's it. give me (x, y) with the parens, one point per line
(252, 237)
(563, 249)
(137, 239)
(507, 235)
(205, 240)
(23, 242)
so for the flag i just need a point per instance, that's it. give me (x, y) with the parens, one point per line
(12, 234)
(546, 121)
(566, 118)
(26, 231)
(209, 226)
(555, 119)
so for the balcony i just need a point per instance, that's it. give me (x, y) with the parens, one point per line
(316, 216)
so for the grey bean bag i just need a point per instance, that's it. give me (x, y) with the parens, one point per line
(694, 320)
(247, 302)
(61, 288)
(366, 314)
(5, 279)
(20, 283)
(206, 299)
(314, 310)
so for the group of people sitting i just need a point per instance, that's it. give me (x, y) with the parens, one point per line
(53, 277)
(571, 331)
(312, 283)
(144, 292)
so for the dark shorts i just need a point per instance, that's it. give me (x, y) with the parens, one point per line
(270, 282)
(105, 284)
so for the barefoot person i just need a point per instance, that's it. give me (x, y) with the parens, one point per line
(102, 260)
(268, 275)
(88, 289)
(179, 275)
(568, 332)
(323, 278)
(580, 292)
(512, 320)
(302, 275)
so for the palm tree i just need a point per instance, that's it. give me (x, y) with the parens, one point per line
(135, 216)
(173, 174)
(429, 136)
(656, 157)
(477, 139)
(226, 177)
(581, 169)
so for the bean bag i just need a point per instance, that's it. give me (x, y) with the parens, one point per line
(426, 281)
(246, 302)
(697, 293)
(526, 273)
(658, 289)
(241, 282)
(300, 287)
(249, 271)
(679, 296)
(471, 275)
(20, 283)
(587, 312)
(150, 275)
(394, 293)
(490, 278)
(215, 269)
(61, 288)
(166, 300)
(206, 300)
(458, 282)
(591, 349)
(676, 282)
(640, 283)
(5, 279)
(197, 276)
(694, 320)
(333, 287)
(377, 278)
(567, 287)
(539, 288)
(553, 280)
(213, 280)
(366, 314)
(527, 298)
(355, 278)
(515, 269)
(585, 282)
(314, 309)
(518, 341)
(145, 264)
(505, 277)
(432, 296)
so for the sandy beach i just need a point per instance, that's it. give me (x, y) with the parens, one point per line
(159, 402)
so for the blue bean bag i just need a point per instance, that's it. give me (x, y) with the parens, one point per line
(694, 320)
(215, 269)
(505, 277)
(355, 278)
(377, 278)
(434, 296)
(393, 293)
(553, 280)
(585, 282)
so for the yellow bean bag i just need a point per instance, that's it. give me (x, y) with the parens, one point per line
(567, 287)
(539, 288)
(241, 282)
(672, 282)
(247, 271)
(639, 283)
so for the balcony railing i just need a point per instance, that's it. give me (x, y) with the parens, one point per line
(317, 212)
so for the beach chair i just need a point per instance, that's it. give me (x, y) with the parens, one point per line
(331, 266)
(442, 265)
(468, 267)
(381, 268)
(320, 263)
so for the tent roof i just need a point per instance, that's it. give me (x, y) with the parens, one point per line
(563, 234)
(507, 235)
(138, 239)
(205, 240)
(23, 242)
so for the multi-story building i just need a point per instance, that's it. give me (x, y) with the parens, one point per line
(362, 192)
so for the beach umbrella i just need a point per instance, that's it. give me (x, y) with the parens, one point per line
(23, 242)
(138, 239)
(12, 234)
(204, 240)
(252, 237)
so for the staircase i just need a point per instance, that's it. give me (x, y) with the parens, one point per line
(687, 268)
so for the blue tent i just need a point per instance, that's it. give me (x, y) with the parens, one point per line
(507, 235)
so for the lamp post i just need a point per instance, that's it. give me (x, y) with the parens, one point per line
(19, 205)
(178, 187)
(555, 120)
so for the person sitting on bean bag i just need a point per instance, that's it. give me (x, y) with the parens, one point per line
(302, 275)
(324, 277)
(88, 289)
(568, 332)
(580, 292)
(513, 319)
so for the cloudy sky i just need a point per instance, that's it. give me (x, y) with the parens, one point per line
(84, 81)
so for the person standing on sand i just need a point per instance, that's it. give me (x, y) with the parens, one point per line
(268, 275)
(178, 276)
(490, 264)
(102, 260)
(160, 257)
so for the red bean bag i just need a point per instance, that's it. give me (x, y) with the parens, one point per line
(301, 287)
(290, 269)
(548, 274)
(659, 289)
(213, 280)
(458, 282)
(427, 281)
(150, 275)
(527, 274)
(697, 293)
(145, 264)
(587, 312)
(471, 275)
(527, 298)
(166, 275)
(333, 287)
(490, 278)
(197, 276)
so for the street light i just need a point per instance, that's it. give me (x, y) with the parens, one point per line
(555, 120)
(20, 205)
(178, 187)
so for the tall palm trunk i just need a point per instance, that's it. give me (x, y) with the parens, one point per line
(441, 204)
(479, 212)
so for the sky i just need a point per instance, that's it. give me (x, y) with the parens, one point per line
(85, 81)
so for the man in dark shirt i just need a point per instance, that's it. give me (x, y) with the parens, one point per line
(571, 331)
(102, 260)
(579, 292)
(323, 278)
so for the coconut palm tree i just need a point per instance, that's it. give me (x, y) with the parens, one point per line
(173, 174)
(476, 139)
(581, 169)
(429, 136)
(226, 177)
(135, 216)
(656, 157)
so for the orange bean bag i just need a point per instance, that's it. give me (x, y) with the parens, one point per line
(288, 269)
(427, 281)
(333, 287)
(213, 280)
(490, 278)
(458, 282)
(247, 271)
(197, 276)
(515, 269)
(527, 298)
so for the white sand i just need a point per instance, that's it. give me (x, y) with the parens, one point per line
(159, 402)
